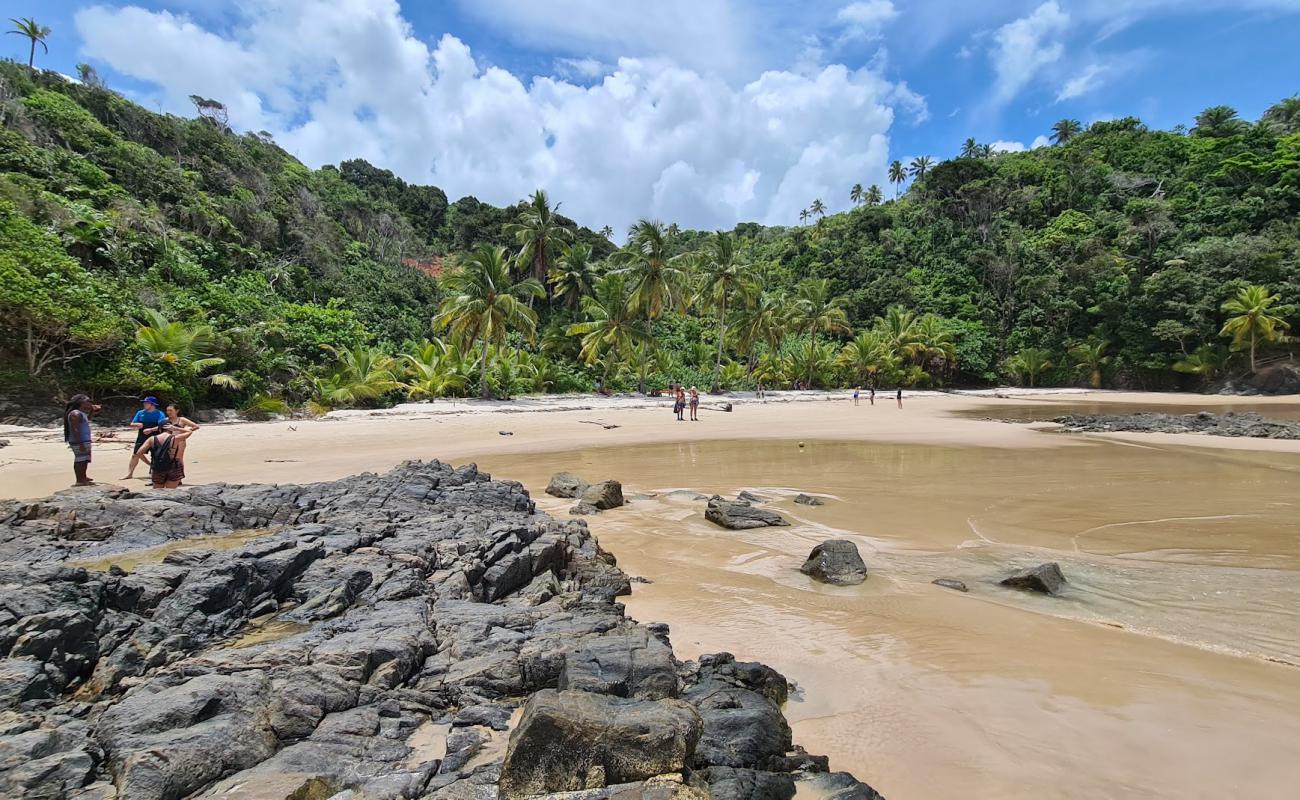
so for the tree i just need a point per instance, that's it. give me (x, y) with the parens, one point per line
(359, 373)
(1089, 358)
(657, 283)
(34, 31)
(970, 148)
(898, 328)
(804, 214)
(818, 207)
(816, 311)
(874, 195)
(1253, 321)
(611, 326)
(1030, 363)
(211, 110)
(572, 277)
(897, 175)
(190, 349)
(869, 358)
(606, 231)
(935, 347)
(1218, 122)
(723, 277)
(1283, 117)
(856, 194)
(539, 234)
(436, 369)
(483, 304)
(919, 166)
(761, 321)
(1065, 130)
(1207, 361)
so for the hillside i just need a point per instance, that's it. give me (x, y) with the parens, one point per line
(146, 252)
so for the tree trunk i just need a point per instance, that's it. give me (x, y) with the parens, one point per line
(722, 334)
(645, 357)
(31, 59)
(1252, 352)
(482, 373)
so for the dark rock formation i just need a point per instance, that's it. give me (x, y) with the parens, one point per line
(565, 484)
(1245, 423)
(835, 561)
(950, 583)
(277, 642)
(740, 515)
(604, 495)
(808, 500)
(1044, 578)
(838, 786)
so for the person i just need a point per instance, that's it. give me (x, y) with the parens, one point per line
(857, 391)
(760, 390)
(872, 396)
(899, 397)
(166, 450)
(76, 434)
(178, 422)
(145, 422)
(695, 405)
(679, 404)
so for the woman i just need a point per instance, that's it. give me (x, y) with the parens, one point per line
(145, 422)
(166, 450)
(76, 434)
(695, 405)
(180, 423)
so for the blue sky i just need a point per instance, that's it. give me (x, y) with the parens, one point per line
(704, 112)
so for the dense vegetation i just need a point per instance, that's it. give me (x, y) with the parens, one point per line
(143, 252)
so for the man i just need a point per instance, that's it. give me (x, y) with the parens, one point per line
(146, 423)
(76, 433)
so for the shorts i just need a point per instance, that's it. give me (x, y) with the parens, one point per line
(80, 452)
(173, 475)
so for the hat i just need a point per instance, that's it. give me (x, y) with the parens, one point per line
(150, 399)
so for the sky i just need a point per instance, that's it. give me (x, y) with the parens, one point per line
(700, 112)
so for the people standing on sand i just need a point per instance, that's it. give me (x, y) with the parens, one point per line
(899, 397)
(872, 396)
(679, 403)
(145, 422)
(166, 450)
(179, 423)
(76, 434)
(857, 391)
(695, 405)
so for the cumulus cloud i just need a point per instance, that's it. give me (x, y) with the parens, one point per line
(1001, 146)
(581, 68)
(1040, 140)
(1087, 80)
(867, 17)
(651, 137)
(1022, 47)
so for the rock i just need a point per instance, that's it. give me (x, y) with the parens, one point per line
(604, 495)
(728, 783)
(750, 497)
(950, 583)
(837, 786)
(634, 664)
(583, 509)
(568, 741)
(740, 515)
(1044, 578)
(1279, 379)
(835, 561)
(808, 500)
(1247, 424)
(4, 442)
(565, 484)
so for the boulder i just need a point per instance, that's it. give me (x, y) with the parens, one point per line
(1044, 578)
(604, 495)
(950, 583)
(836, 786)
(583, 509)
(740, 515)
(634, 664)
(808, 500)
(569, 741)
(835, 561)
(565, 484)
(729, 783)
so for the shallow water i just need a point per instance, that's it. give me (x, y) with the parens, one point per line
(1021, 408)
(134, 559)
(1164, 670)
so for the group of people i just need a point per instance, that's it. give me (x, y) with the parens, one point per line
(871, 397)
(682, 399)
(160, 440)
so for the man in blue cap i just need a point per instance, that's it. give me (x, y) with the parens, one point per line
(146, 422)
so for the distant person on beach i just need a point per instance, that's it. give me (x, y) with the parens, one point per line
(857, 391)
(872, 396)
(76, 434)
(166, 450)
(145, 422)
(695, 405)
(679, 403)
(760, 390)
(899, 397)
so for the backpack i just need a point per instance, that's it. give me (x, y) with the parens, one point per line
(162, 456)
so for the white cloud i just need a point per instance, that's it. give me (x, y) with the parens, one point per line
(1001, 146)
(1040, 140)
(1084, 82)
(1021, 48)
(867, 17)
(653, 137)
(583, 69)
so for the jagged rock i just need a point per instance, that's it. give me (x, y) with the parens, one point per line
(837, 786)
(728, 783)
(632, 664)
(950, 583)
(565, 484)
(604, 495)
(835, 561)
(1246, 423)
(740, 515)
(750, 497)
(583, 509)
(740, 706)
(568, 741)
(1044, 578)
(808, 500)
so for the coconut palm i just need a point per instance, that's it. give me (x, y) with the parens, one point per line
(762, 321)
(34, 31)
(656, 282)
(539, 234)
(483, 304)
(1218, 121)
(856, 194)
(1207, 361)
(611, 327)
(815, 311)
(1065, 130)
(606, 232)
(897, 175)
(1254, 320)
(935, 349)
(874, 195)
(812, 360)
(898, 327)
(868, 358)
(572, 276)
(970, 148)
(1030, 363)
(190, 349)
(359, 373)
(804, 214)
(723, 279)
(1283, 117)
(919, 166)
(1089, 358)
(818, 207)
(436, 369)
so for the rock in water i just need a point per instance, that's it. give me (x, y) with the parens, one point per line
(1044, 578)
(565, 484)
(808, 500)
(950, 583)
(572, 740)
(604, 495)
(837, 786)
(740, 515)
(835, 561)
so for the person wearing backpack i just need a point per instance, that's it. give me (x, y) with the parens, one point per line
(166, 451)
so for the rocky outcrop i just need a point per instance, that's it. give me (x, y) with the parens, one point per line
(592, 498)
(835, 561)
(368, 637)
(1246, 423)
(808, 500)
(1044, 579)
(565, 484)
(740, 514)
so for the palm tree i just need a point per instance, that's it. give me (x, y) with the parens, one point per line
(611, 326)
(919, 166)
(1283, 117)
(606, 232)
(897, 174)
(970, 148)
(1253, 321)
(1030, 363)
(812, 359)
(1065, 130)
(762, 321)
(436, 369)
(818, 207)
(483, 305)
(1207, 361)
(874, 195)
(856, 194)
(723, 276)
(898, 328)
(188, 348)
(573, 275)
(869, 357)
(1218, 121)
(32, 30)
(815, 311)
(1089, 358)
(935, 348)
(804, 215)
(657, 283)
(359, 373)
(539, 234)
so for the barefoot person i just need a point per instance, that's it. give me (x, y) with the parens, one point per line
(179, 423)
(899, 397)
(857, 392)
(76, 433)
(872, 396)
(145, 422)
(695, 405)
(166, 451)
